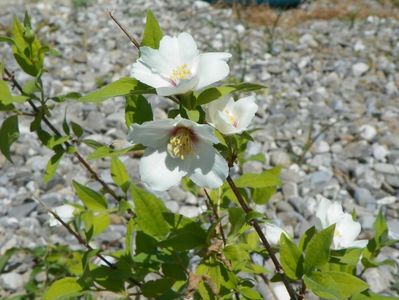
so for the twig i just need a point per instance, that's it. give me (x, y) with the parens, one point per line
(132, 39)
(259, 231)
(80, 239)
(216, 215)
(85, 164)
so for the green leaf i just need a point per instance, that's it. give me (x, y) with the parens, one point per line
(6, 257)
(268, 178)
(236, 219)
(291, 258)
(155, 288)
(5, 94)
(120, 87)
(149, 210)
(334, 285)
(90, 198)
(249, 293)
(210, 94)
(63, 289)
(368, 295)
(190, 236)
(119, 174)
(305, 238)
(5, 39)
(77, 129)
(105, 151)
(380, 229)
(129, 237)
(152, 32)
(318, 249)
(95, 222)
(137, 110)
(9, 133)
(52, 166)
(262, 195)
(213, 93)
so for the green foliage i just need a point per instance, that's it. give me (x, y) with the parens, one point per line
(269, 178)
(149, 213)
(92, 199)
(9, 134)
(52, 166)
(63, 289)
(334, 285)
(121, 87)
(210, 94)
(137, 110)
(152, 32)
(119, 174)
(291, 258)
(318, 250)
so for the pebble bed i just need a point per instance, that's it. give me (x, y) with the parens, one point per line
(329, 81)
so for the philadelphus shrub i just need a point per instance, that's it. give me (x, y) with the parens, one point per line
(165, 255)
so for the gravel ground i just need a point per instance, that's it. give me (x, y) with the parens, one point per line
(331, 80)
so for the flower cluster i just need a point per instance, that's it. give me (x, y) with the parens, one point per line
(346, 229)
(179, 147)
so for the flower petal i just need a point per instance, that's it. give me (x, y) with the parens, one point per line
(212, 68)
(215, 106)
(208, 168)
(181, 88)
(154, 134)
(224, 125)
(203, 132)
(321, 212)
(155, 61)
(160, 171)
(358, 244)
(143, 73)
(244, 111)
(181, 49)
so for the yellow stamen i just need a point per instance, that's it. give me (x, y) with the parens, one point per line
(232, 119)
(180, 144)
(180, 72)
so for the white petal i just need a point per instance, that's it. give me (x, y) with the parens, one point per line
(188, 48)
(182, 87)
(358, 244)
(203, 132)
(215, 106)
(144, 74)
(334, 212)
(244, 111)
(212, 68)
(208, 168)
(159, 170)
(181, 49)
(155, 61)
(154, 134)
(348, 228)
(223, 124)
(321, 212)
(273, 233)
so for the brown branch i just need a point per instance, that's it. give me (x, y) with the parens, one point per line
(80, 239)
(132, 39)
(260, 233)
(216, 215)
(85, 164)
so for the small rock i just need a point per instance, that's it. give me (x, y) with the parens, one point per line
(23, 210)
(359, 46)
(280, 158)
(367, 132)
(12, 281)
(322, 147)
(189, 211)
(359, 69)
(380, 152)
(364, 197)
(386, 168)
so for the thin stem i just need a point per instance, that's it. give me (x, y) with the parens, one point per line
(80, 239)
(260, 233)
(302, 291)
(132, 39)
(85, 164)
(216, 215)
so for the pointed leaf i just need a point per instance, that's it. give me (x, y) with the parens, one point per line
(90, 198)
(152, 32)
(63, 289)
(291, 258)
(119, 174)
(9, 133)
(137, 110)
(52, 166)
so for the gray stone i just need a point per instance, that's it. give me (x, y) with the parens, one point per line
(23, 210)
(189, 211)
(386, 168)
(280, 158)
(359, 69)
(12, 281)
(364, 197)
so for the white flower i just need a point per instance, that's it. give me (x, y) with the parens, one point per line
(65, 212)
(229, 116)
(346, 229)
(273, 233)
(177, 66)
(176, 148)
(99, 262)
